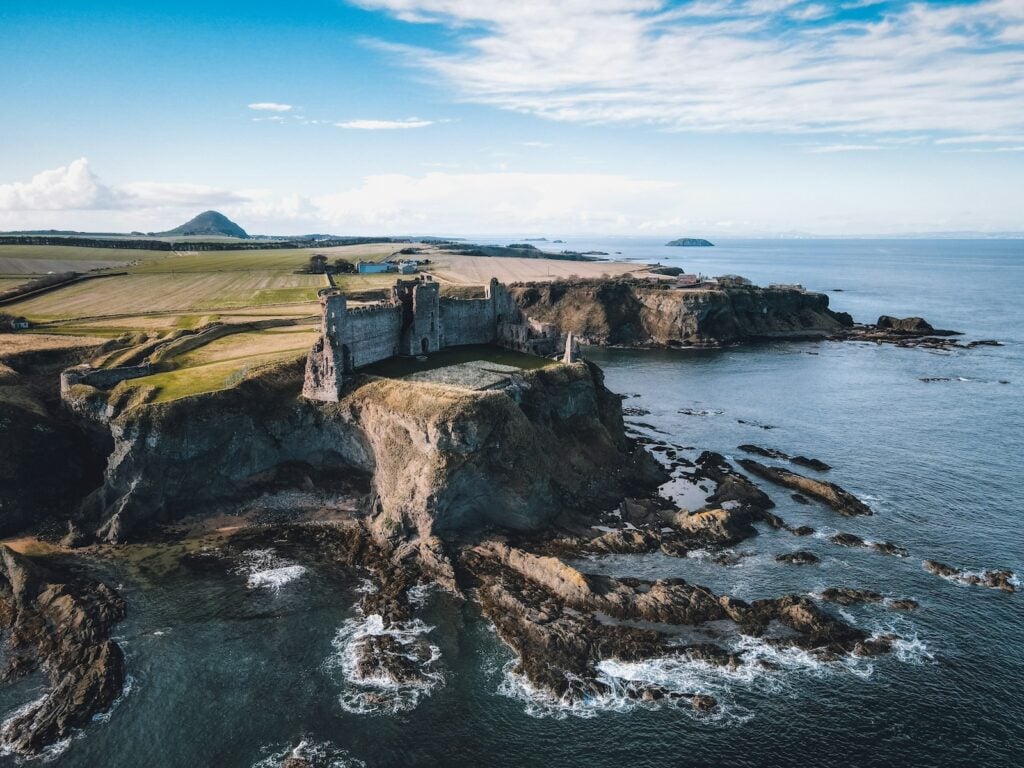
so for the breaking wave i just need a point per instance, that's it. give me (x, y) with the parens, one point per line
(52, 752)
(766, 669)
(263, 569)
(382, 693)
(322, 754)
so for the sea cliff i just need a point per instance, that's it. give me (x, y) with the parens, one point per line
(428, 458)
(646, 313)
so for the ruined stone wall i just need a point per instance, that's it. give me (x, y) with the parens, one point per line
(323, 373)
(417, 321)
(102, 378)
(467, 321)
(370, 334)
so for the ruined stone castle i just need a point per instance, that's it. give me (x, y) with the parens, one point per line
(418, 321)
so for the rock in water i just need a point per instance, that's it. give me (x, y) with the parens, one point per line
(916, 325)
(802, 557)
(716, 526)
(841, 500)
(848, 596)
(62, 624)
(1000, 579)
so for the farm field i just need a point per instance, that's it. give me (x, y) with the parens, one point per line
(171, 292)
(16, 260)
(285, 259)
(43, 259)
(11, 282)
(478, 270)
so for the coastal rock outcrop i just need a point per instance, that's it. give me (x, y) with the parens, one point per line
(562, 623)
(774, 453)
(841, 500)
(1001, 579)
(60, 623)
(643, 313)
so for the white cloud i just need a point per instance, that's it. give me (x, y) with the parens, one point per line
(490, 201)
(70, 186)
(733, 65)
(75, 187)
(271, 106)
(462, 202)
(385, 125)
(810, 13)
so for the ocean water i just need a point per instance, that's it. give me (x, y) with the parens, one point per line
(239, 666)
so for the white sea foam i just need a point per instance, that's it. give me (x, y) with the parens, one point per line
(367, 587)
(264, 569)
(319, 754)
(766, 668)
(126, 689)
(50, 753)
(419, 594)
(380, 693)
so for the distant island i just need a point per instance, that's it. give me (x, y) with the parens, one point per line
(690, 242)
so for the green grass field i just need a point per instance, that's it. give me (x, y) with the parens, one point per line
(18, 260)
(285, 259)
(225, 361)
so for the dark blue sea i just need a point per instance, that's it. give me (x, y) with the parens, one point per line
(237, 671)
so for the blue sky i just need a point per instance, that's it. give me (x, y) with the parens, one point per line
(709, 117)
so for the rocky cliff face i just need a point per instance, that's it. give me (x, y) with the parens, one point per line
(62, 623)
(174, 459)
(448, 460)
(639, 313)
(47, 459)
(440, 459)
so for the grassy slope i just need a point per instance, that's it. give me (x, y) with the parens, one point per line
(224, 362)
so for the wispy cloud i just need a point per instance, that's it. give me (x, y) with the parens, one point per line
(385, 125)
(984, 138)
(980, 150)
(779, 66)
(271, 106)
(829, 148)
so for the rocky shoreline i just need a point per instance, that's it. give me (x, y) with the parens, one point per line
(637, 313)
(62, 623)
(488, 494)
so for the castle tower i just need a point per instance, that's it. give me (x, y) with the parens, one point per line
(425, 331)
(502, 303)
(330, 357)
